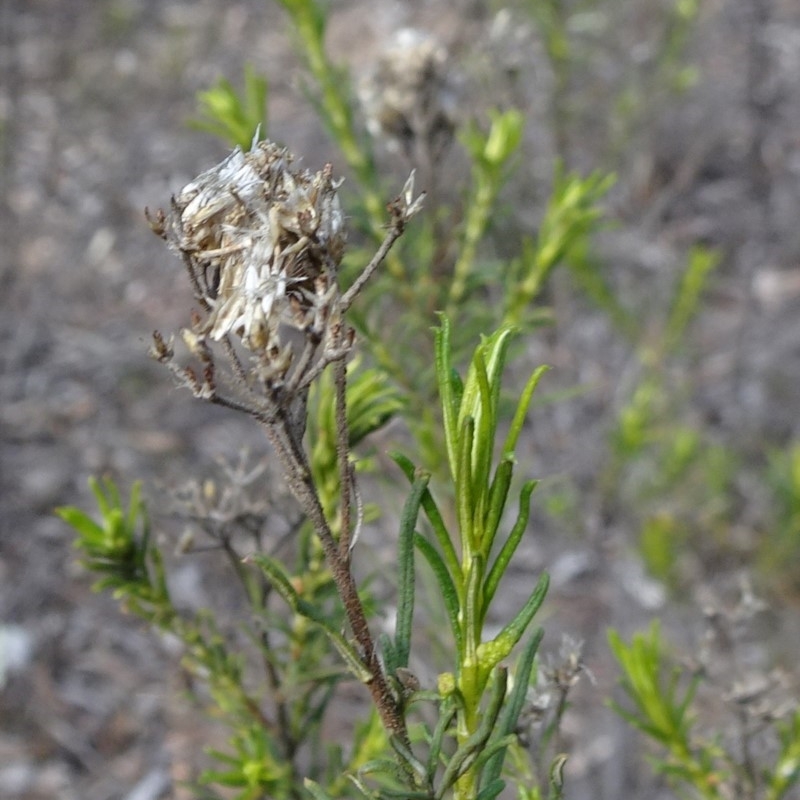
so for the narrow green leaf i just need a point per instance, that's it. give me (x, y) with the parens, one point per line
(491, 790)
(465, 499)
(485, 427)
(444, 381)
(106, 495)
(405, 566)
(407, 756)
(377, 766)
(491, 749)
(473, 608)
(498, 495)
(511, 543)
(278, 576)
(507, 722)
(522, 410)
(403, 794)
(457, 389)
(686, 302)
(447, 714)
(491, 353)
(522, 677)
(82, 523)
(389, 653)
(557, 776)
(315, 790)
(491, 653)
(435, 518)
(447, 588)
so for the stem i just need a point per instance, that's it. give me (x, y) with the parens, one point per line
(298, 475)
(343, 457)
(393, 234)
(477, 219)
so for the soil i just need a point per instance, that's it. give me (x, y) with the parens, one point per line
(93, 109)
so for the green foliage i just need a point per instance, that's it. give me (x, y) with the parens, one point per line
(576, 37)
(661, 540)
(372, 401)
(234, 118)
(117, 546)
(674, 482)
(441, 265)
(664, 710)
(466, 572)
(294, 648)
(572, 215)
(662, 705)
(462, 751)
(664, 472)
(489, 154)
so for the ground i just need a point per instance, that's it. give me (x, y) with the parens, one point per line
(94, 104)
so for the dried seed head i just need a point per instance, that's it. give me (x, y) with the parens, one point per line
(262, 242)
(409, 99)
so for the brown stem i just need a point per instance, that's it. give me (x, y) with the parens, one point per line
(392, 235)
(302, 487)
(343, 457)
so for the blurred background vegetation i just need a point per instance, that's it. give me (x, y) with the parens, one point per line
(654, 141)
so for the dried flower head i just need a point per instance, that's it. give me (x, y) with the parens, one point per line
(563, 672)
(409, 99)
(262, 243)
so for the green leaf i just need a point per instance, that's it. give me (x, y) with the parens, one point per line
(491, 653)
(407, 756)
(491, 790)
(371, 402)
(485, 426)
(82, 523)
(389, 653)
(316, 791)
(473, 608)
(230, 116)
(482, 386)
(522, 410)
(447, 714)
(435, 518)
(106, 494)
(511, 543)
(465, 498)
(661, 714)
(450, 409)
(450, 596)
(504, 136)
(686, 302)
(509, 717)
(405, 565)
(498, 495)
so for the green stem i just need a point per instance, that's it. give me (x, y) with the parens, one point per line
(475, 226)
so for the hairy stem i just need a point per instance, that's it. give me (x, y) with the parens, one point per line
(301, 484)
